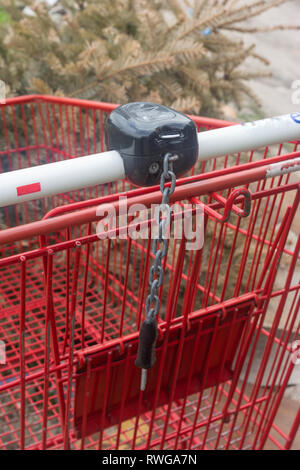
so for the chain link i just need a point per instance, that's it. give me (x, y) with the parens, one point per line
(160, 242)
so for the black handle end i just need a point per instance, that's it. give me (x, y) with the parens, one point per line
(147, 340)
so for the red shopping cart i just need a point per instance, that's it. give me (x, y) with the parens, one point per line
(71, 302)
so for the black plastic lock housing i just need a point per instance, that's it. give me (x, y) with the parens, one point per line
(143, 133)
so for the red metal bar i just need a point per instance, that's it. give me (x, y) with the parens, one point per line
(181, 181)
(71, 348)
(88, 215)
(47, 347)
(22, 353)
(85, 404)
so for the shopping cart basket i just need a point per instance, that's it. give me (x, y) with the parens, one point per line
(71, 303)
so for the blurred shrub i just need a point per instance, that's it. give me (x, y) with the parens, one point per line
(186, 55)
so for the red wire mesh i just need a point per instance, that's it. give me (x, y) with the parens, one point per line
(71, 306)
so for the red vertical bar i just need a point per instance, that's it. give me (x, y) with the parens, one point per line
(94, 141)
(72, 344)
(293, 431)
(20, 164)
(81, 132)
(86, 270)
(22, 351)
(246, 339)
(114, 270)
(73, 112)
(136, 424)
(25, 134)
(94, 131)
(87, 140)
(101, 132)
(205, 372)
(105, 293)
(191, 289)
(220, 374)
(140, 271)
(213, 268)
(35, 133)
(229, 262)
(105, 398)
(45, 140)
(68, 131)
(54, 199)
(133, 274)
(206, 291)
(125, 286)
(174, 291)
(84, 190)
(189, 380)
(145, 279)
(74, 131)
(6, 138)
(50, 132)
(62, 134)
(54, 339)
(254, 218)
(275, 221)
(36, 138)
(47, 348)
(124, 387)
(55, 129)
(260, 242)
(85, 402)
(67, 314)
(219, 263)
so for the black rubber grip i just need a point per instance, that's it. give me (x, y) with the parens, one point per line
(146, 349)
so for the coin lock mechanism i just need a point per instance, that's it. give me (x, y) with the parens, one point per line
(143, 133)
(157, 144)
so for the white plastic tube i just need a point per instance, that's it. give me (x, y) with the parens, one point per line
(249, 136)
(54, 178)
(77, 173)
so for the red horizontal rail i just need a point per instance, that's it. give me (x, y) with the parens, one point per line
(189, 179)
(202, 121)
(182, 192)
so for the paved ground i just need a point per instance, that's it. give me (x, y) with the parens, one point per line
(282, 49)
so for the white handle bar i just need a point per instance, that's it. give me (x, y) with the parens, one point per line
(77, 173)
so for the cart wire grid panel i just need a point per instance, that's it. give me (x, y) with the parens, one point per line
(71, 302)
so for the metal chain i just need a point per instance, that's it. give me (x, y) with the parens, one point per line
(156, 273)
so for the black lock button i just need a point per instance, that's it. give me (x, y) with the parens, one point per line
(143, 133)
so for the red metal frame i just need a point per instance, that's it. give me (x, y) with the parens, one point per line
(71, 305)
